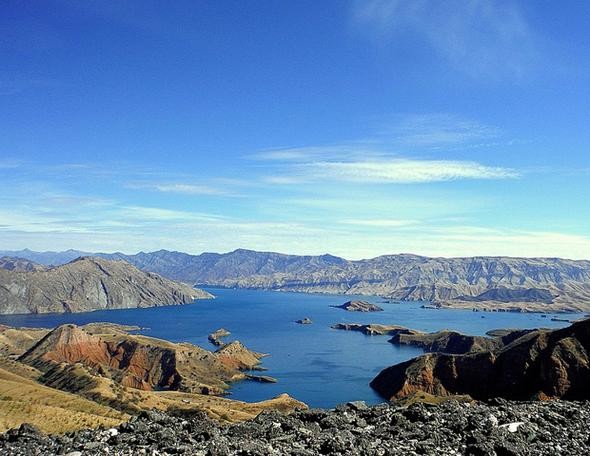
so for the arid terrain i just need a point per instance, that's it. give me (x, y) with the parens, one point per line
(487, 283)
(99, 374)
(86, 284)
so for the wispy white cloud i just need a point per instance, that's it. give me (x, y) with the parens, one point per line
(439, 130)
(350, 150)
(379, 223)
(479, 37)
(157, 214)
(379, 160)
(394, 171)
(180, 188)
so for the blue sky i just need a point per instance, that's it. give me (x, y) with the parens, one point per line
(357, 128)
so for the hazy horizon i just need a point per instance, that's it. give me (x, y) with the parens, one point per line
(358, 128)
(102, 251)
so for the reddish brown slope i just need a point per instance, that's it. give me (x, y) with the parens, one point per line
(541, 364)
(141, 362)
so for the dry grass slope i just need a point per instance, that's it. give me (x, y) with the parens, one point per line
(52, 411)
(64, 396)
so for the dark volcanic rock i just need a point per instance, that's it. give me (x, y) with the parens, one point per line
(541, 364)
(359, 306)
(504, 428)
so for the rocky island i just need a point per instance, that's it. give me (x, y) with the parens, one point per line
(359, 306)
(444, 341)
(216, 336)
(372, 329)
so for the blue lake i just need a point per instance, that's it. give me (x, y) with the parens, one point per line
(313, 363)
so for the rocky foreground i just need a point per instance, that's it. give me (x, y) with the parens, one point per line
(452, 428)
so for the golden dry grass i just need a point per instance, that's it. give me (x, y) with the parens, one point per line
(106, 391)
(23, 400)
(66, 397)
(218, 408)
(15, 341)
(421, 397)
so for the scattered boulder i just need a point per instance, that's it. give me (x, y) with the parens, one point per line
(451, 428)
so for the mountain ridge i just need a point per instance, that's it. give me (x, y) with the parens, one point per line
(86, 284)
(488, 283)
(540, 364)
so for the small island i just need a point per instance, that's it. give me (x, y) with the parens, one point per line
(359, 306)
(370, 329)
(215, 337)
(304, 321)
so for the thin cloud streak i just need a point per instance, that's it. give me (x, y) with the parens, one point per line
(475, 36)
(439, 130)
(397, 171)
(379, 223)
(180, 188)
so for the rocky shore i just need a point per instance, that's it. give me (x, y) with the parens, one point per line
(500, 428)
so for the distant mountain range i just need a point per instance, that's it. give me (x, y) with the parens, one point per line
(86, 284)
(488, 283)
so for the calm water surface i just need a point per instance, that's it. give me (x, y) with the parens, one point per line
(313, 363)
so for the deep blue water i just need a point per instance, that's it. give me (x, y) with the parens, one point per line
(313, 363)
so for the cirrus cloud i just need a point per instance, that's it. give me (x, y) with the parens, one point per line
(393, 171)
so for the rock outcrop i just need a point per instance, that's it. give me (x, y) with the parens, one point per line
(304, 321)
(88, 284)
(372, 329)
(538, 365)
(216, 336)
(359, 306)
(445, 341)
(140, 362)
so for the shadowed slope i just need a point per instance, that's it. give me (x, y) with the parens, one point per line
(540, 364)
